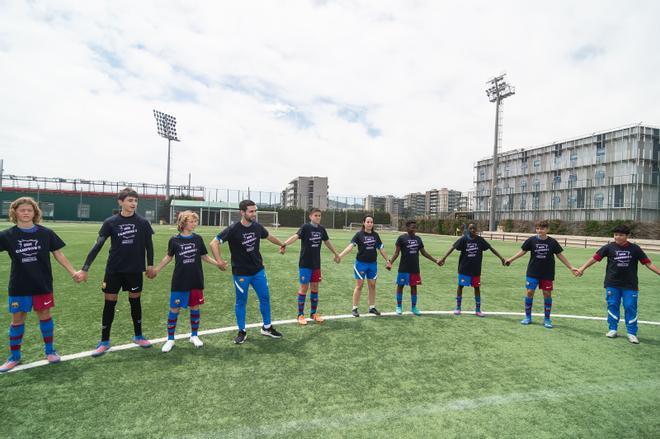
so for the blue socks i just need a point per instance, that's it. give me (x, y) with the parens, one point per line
(194, 321)
(15, 340)
(477, 302)
(47, 328)
(528, 306)
(547, 306)
(171, 324)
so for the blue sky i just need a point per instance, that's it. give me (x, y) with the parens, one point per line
(381, 97)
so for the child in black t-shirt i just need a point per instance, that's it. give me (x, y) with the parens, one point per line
(311, 235)
(29, 246)
(541, 269)
(130, 241)
(471, 247)
(188, 250)
(409, 245)
(621, 279)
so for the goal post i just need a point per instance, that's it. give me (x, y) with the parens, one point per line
(268, 218)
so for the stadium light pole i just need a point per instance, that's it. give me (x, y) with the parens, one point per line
(497, 91)
(166, 126)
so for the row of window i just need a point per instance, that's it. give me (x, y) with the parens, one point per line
(84, 210)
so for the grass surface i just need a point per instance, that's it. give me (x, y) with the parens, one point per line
(428, 376)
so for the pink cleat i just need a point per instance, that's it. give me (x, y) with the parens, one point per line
(479, 314)
(101, 349)
(141, 341)
(457, 312)
(9, 365)
(53, 357)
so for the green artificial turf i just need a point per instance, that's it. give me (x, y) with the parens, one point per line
(428, 376)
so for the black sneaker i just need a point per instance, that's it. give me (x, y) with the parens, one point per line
(270, 332)
(240, 338)
(374, 311)
(355, 312)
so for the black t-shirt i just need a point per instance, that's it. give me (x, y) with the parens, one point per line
(367, 244)
(621, 271)
(310, 245)
(410, 246)
(244, 247)
(128, 242)
(542, 258)
(29, 250)
(469, 263)
(187, 251)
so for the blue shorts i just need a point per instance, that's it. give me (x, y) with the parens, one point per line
(307, 275)
(37, 302)
(412, 279)
(183, 299)
(365, 270)
(469, 281)
(532, 283)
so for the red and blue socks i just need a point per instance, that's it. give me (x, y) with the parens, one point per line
(528, 306)
(547, 306)
(171, 324)
(413, 298)
(194, 321)
(108, 317)
(301, 303)
(314, 301)
(399, 298)
(477, 303)
(136, 315)
(459, 300)
(15, 340)
(47, 328)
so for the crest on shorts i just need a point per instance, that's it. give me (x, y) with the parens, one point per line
(241, 279)
(177, 301)
(302, 277)
(104, 285)
(14, 304)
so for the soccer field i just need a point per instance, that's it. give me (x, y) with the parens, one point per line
(436, 375)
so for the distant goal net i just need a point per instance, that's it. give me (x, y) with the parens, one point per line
(268, 218)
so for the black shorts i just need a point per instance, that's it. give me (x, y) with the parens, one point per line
(113, 282)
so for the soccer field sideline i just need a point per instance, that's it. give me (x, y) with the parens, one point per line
(84, 354)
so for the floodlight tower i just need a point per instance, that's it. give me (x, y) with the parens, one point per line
(166, 126)
(497, 91)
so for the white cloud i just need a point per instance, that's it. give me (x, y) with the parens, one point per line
(382, 97)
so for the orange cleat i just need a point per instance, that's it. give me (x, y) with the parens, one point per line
(317, 318)
(302, 320)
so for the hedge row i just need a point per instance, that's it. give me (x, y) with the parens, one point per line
(579, 228)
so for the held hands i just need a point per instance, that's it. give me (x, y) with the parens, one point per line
(222, 264)
(507, 262)
(151, 272)
(388, 266)
(337, 259)
(80, 276)
(282, 249)
(504, 262)
(440, 262)
(577, 272)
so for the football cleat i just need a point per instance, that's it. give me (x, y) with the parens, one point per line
(141, 341)
(317, 318)
(547, 323)
(168, 346)
(101, 348)
(270, 332)
(240, 338)
(53, 357)
(302, 320)
(632, 338)
(526, 321)
(479, 314)
(416, 311)
(611, 333)
(196, 341)
(355, 312)
(399, 310)
(374, 311)
(9, 365)
(457, 312)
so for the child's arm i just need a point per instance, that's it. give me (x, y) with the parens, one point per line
(210, 260)
(333, 250)
(150, 256)
(397, 250)
(429, 257)
(651, 266)
(215, 249)
(166, 260)
(498, 255)
(64, 262)
(96, 248)
(347, 250)
(591, 261)
(290, 240)
(444, 258)
(514, 257)
(568, 265)
(388, 264)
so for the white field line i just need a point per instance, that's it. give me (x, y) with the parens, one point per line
(123, 347)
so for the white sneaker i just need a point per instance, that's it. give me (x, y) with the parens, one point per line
(633, 339)
(169, 344)
(611, 334)
(196, 341)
